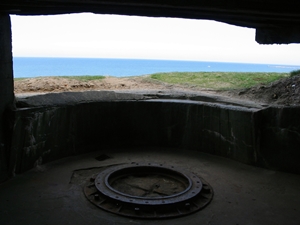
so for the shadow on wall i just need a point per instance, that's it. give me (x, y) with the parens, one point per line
(262, 137)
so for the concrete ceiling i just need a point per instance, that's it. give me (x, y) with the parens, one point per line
(276, 21)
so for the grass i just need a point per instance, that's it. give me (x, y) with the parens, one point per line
(218, 80)
(294, 73)
(84, 78)
(207, 80)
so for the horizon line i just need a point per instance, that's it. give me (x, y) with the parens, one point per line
(156, 59)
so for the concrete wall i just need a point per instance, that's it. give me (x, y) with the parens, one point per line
(6, 91)
(280, 138)
(276, 21)
(46, 131)
(43, 134)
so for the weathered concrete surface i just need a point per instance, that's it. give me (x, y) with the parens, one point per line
(68, 98)
(242, 194)
(53, 126)
(279, 35)
(45, 133)
(6, 90)
(280, 138)
(73, 98)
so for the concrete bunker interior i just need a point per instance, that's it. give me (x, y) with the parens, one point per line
(45, 140)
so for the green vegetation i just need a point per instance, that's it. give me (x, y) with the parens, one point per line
(206, 80)
(294, 73)
(84, 78)
(218, 80)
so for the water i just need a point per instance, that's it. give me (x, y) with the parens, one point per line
(36, 67)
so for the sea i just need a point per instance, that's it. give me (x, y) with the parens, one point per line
(27, 67)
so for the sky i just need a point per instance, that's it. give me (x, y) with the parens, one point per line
(90, 35)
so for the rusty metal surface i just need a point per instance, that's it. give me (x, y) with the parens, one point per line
(149, 191)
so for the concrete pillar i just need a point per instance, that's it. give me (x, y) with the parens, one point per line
(278, 35)
(6, 91)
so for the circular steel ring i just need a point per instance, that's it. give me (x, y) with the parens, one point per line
(196, 195)
(102, 184)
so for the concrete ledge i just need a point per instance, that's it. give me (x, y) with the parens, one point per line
(70, 98)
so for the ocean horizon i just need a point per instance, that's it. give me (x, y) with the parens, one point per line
(28, 67)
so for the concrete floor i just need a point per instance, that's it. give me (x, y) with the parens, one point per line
(243, 194)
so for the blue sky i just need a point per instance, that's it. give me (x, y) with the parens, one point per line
(111, 36)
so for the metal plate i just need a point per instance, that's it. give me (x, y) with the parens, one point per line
(147, 190)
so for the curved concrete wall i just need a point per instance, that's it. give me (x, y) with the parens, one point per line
(250, 135)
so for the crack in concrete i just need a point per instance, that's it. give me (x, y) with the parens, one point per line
(217, 134)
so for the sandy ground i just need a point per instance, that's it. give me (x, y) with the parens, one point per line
(55, 84)
(282, 92)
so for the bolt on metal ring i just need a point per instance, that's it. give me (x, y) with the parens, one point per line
(149, 190)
